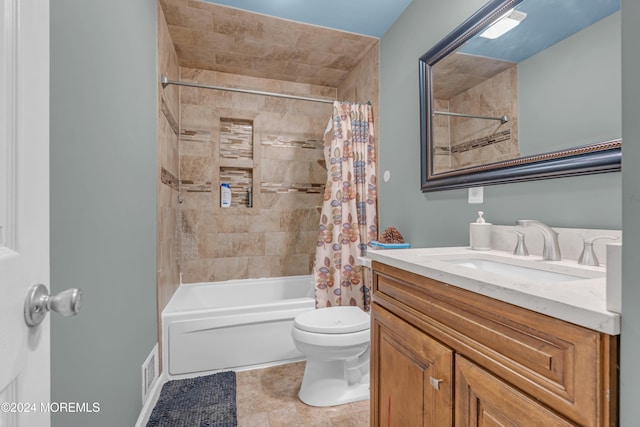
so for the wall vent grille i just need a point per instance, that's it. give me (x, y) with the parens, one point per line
(149, 372)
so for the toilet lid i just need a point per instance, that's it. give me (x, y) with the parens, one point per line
(333, 320)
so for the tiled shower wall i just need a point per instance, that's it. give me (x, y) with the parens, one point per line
(168, 276)
(168, 129)
(361, 85)
(283, 164)
(272, 145)
(465, 142)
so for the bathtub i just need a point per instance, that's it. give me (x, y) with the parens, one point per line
(236, 324)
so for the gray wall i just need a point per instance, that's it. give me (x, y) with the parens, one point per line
(547, 93)
(630, 341)
(103, 203)
(441, 219)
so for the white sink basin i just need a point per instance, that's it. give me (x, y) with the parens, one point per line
(514, 271)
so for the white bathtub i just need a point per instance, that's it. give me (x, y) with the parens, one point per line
(237, 324)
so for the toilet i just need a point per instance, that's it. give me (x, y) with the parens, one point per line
(335, 342)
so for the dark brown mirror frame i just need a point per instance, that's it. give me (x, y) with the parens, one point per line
(588, 159)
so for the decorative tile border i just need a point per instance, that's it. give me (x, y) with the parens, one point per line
(195, 186)
(171, 118)
(195, 135)
(476, 143)
(276, 187)
(169, 179)
(290, 142)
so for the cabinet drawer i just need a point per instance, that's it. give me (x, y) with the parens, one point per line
(567, 367)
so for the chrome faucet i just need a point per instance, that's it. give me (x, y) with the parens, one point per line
(551, 249)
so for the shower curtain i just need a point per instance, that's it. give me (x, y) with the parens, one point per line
(348, 217)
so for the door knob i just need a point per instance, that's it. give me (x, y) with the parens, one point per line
(38, 303)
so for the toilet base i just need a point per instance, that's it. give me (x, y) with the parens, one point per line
(334, 383)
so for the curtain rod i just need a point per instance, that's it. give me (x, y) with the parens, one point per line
(503, 119)
(165, 82)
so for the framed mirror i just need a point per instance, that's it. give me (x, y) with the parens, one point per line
(541, 100)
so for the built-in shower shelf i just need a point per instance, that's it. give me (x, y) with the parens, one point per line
(240, 180)
(237, 163)
(236, 159)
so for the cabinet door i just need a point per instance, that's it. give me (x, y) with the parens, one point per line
(484, 400)
(411, 375)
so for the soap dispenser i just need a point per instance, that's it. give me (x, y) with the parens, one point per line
(480, 234)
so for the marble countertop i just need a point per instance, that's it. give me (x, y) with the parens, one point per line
(581, 301)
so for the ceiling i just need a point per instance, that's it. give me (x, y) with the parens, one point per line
(460, 72)
(227, 39)
(547, 23)
(367, 17)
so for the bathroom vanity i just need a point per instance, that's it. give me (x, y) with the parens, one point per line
(456, 343)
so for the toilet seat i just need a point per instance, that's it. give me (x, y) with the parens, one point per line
(333, 320)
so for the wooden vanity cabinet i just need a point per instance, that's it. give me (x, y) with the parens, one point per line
(443, 356)
(414, 375)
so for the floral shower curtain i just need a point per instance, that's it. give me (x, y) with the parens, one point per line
(348, 218)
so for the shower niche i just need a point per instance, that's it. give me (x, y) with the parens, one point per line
(236, 164)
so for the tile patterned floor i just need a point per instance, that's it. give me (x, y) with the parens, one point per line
(269, 398)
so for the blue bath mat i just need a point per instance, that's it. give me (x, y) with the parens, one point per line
(208, 401)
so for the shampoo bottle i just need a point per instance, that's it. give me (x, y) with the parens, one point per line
(225, 195)
(480, 234)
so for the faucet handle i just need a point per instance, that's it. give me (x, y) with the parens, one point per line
(588, 255)
(521, 248)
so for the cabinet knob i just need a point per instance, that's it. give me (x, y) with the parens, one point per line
(435, 383)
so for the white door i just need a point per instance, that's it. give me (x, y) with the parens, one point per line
(24, 209)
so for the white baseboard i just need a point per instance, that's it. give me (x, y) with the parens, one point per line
(150, 403)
